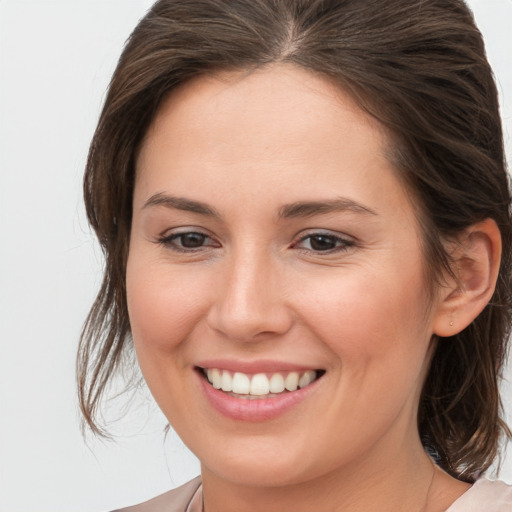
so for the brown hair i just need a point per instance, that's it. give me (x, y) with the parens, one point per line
(419, 67)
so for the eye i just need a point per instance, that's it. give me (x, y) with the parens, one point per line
(324, 242)
(187, 241)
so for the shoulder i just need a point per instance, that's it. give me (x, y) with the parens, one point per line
(176, 500)
(485, 495)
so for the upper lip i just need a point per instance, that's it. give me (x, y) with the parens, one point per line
(253, 367)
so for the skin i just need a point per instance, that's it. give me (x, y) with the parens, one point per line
(247, 145)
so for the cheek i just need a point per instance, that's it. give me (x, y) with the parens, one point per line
(163, 311)
(369, 317)
(163, 307)
(378, 336)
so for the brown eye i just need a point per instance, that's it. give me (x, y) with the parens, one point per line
(191, 240)
(324, 242)
(187, 241)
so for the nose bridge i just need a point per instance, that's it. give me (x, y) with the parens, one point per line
(249, 302)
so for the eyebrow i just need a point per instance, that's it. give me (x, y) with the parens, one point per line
(293, 210)
(310, 208)
(180, 203)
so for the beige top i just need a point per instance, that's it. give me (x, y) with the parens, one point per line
(483, 496)
(187, 498)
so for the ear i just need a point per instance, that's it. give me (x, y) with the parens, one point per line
(476, 260)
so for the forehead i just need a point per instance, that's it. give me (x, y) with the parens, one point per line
(262, 118)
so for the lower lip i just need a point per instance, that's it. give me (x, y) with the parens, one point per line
(259, 409)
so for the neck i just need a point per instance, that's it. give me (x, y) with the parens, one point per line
(382, 481)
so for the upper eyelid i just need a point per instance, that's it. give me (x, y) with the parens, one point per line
(171, 242)
(336, 238)
(324, 232)
(182, 230)
(343, 242)
(172, 233)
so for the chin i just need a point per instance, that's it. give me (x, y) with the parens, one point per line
(259, 473)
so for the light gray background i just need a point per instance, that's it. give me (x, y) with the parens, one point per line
(56, 58)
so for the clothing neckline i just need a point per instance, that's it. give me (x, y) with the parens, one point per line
(196, 501)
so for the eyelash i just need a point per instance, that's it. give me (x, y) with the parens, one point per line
(340, 244)
(170, 241)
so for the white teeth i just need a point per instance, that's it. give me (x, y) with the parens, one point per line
(241, 384)
(307, 378)
(276, 383)
(259, 384)
(291, 383)
(216, 378)
(226, 381)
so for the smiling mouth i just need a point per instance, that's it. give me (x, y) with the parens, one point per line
(259, 385)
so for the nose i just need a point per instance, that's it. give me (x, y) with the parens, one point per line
(250, 302)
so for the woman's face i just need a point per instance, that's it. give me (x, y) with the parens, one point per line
(272, 241)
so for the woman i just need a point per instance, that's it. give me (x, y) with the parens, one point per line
(305, 215)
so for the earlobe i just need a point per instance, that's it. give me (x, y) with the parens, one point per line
(476, 260)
